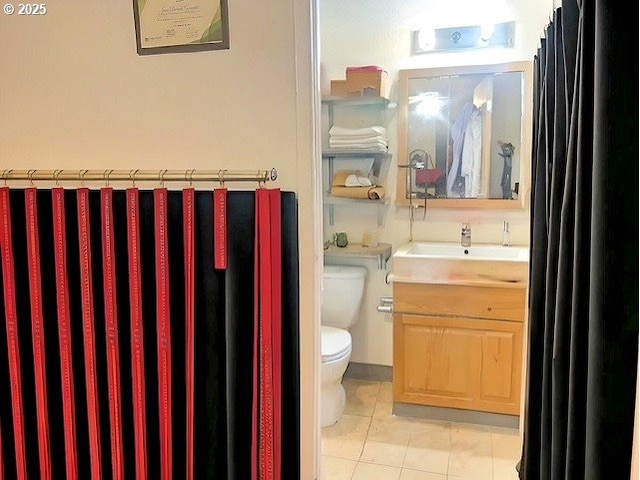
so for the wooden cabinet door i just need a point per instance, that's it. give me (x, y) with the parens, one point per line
(457, 362)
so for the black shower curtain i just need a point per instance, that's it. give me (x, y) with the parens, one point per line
(583, 304)
(122, 348)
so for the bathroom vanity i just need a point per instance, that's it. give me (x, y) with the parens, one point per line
(459, 316)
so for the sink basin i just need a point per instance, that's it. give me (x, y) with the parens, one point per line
(434, 262)
(474, 252)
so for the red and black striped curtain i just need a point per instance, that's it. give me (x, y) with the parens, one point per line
(148, 334)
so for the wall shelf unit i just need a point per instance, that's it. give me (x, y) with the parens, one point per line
(355, 101)
(330, 202)
(381, 253)
(377, 156)
(332, 155)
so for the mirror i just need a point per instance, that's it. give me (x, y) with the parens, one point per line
(471, 129)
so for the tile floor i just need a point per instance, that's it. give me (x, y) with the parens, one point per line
(369, 443)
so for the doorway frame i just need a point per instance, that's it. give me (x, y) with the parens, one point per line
(309, 178)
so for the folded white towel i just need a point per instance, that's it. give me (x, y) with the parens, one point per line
(378, 147)
(374, 130)
(345, 144)
(357, 180)
(359, 139)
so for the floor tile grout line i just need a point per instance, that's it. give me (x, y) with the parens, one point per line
(367, 434)
(406, 449)
(450, 442)
(366, 437)
(493, 475)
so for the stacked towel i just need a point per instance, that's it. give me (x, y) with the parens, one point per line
(351, 184)
(368, 138)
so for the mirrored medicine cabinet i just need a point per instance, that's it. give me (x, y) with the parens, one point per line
(464, 136)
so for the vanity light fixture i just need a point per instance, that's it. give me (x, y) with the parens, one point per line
(430, 40)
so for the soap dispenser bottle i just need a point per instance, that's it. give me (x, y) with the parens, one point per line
(506, 240)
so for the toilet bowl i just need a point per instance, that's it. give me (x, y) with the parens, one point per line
(336, 351)
(341, 299)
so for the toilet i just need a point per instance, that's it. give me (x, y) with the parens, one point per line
(341, 299)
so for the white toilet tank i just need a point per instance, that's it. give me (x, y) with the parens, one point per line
(342, 295)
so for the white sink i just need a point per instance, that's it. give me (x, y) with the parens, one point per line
(434, 262)
(474, 252)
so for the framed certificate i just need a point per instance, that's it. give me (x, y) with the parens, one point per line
(173, 26)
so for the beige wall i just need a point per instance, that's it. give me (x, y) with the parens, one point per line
(74, 94)
(378, 33)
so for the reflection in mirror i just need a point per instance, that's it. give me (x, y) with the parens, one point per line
(467, 129)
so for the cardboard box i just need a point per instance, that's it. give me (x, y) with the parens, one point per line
(368, 82)
(338, 88)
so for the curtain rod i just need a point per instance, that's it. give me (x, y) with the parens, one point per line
(161, 176)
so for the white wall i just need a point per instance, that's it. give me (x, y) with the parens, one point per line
(377, 32)
(74, 94)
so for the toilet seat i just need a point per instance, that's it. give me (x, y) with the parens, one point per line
(336, 343)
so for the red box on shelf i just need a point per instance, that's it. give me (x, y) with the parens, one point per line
(368, 81)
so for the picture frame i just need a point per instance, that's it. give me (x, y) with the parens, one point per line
(179, 26)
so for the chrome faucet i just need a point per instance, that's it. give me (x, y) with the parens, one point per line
(465, 235)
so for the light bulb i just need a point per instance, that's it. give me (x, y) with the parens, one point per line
(427, 39)
(486, 31)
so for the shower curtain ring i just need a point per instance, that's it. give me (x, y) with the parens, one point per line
(261, 180)
(30, 176)
(191, 177)
(82, 174)
(56, 174)
(132, 177)
(4, 176)
(221, 177)
(107, 176)
(162, 174)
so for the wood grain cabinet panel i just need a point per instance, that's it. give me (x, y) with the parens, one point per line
(463, 301)
(456, 361)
